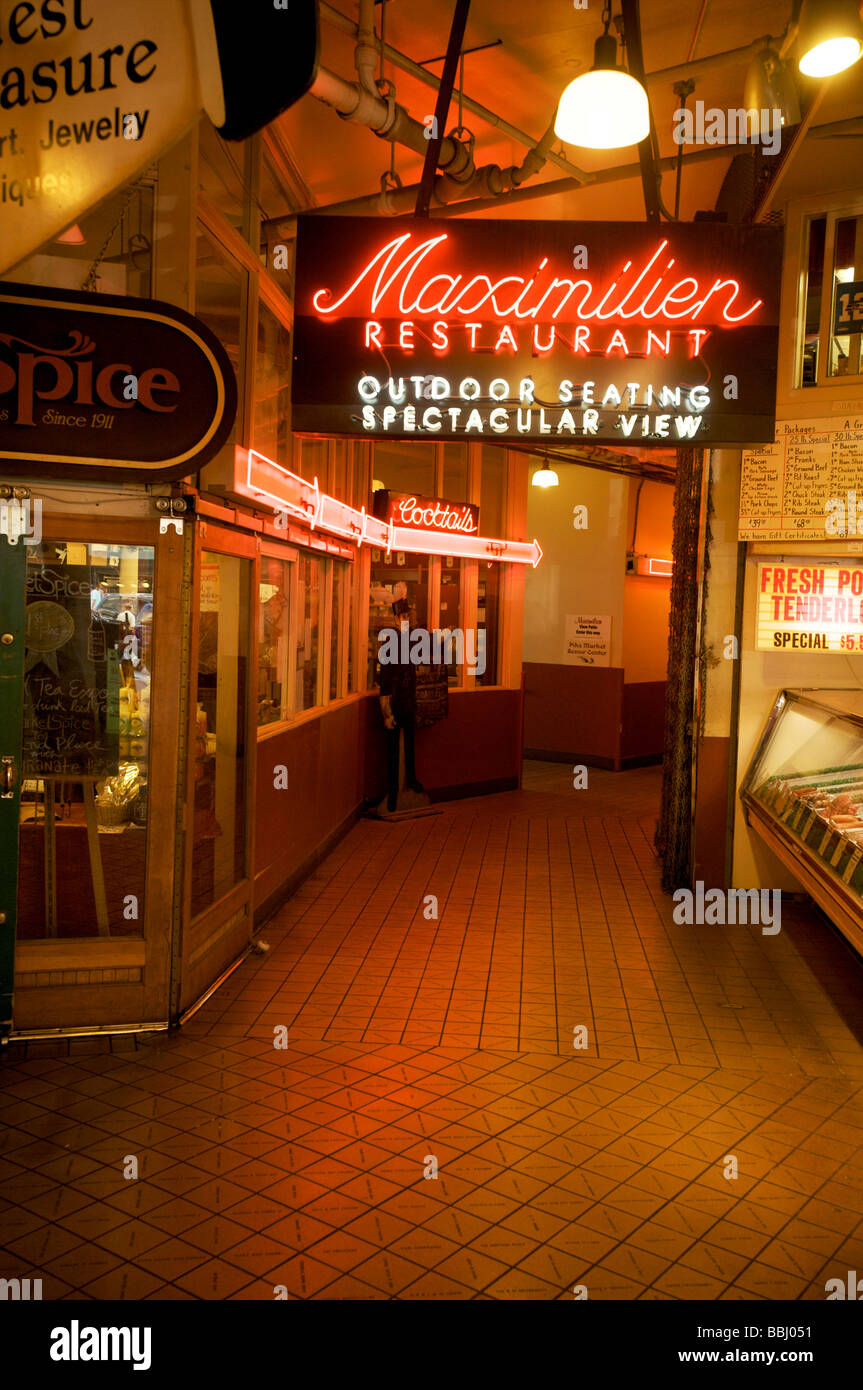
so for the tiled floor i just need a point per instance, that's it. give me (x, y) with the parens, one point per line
(422, 1045)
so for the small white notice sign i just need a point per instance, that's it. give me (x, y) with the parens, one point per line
(587, 640)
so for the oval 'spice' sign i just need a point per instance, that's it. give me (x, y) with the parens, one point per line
(91, 383)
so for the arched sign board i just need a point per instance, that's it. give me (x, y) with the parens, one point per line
(94, 384)
(620, 332)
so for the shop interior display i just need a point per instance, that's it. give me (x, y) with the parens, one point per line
(804, 793)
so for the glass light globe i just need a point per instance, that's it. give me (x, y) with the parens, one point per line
(602, 110)
(545, 477)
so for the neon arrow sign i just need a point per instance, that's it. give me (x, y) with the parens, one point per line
(264, 481)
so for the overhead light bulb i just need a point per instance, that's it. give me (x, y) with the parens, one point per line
(545, 477)
(769, 87)
(377, 485)
(830, 37)
(605, 108)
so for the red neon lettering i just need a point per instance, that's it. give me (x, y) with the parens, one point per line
(387, 283)
(440, 517)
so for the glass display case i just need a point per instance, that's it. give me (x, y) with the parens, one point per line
(803, 794)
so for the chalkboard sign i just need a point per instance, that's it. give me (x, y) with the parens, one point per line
(71, 677)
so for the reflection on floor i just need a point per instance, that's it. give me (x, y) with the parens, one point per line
(423, 1043)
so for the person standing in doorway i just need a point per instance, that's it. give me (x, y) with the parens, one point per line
(398, 698)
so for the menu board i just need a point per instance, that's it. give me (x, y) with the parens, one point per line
(71, 677)
(786, 488)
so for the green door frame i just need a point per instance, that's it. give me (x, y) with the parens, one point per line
(12, 600)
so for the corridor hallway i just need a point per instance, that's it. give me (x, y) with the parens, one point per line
(419, 1042)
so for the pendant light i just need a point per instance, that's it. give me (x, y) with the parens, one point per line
(545, 476)
(830, 37)
(605, 108)
(769, 87)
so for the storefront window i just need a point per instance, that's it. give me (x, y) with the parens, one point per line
(492, 496)
(455, 472)
(487, 615)
(220, 175)
(221, 293)
(847, 269)
(86, 740)
(218, 853)
(119, 232)
(271, 428)
(273, 611)
(812, 300)
(450, 610)
(340, 650)
(313, 461)
(405, 467)
(399, 576)
(308, 632)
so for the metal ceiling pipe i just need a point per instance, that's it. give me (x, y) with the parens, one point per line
(617, 174)
(365, 52)
(401, 200)
(401, 60)
(713, 60)
(385, 117)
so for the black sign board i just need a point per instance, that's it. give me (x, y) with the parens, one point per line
(71, 677)
(427, 513)
(96, 382)
(268, 58)
(536, 331)
(848, 308)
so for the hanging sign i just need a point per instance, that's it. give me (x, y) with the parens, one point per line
(95, 382)
(93, 92)
(608, 331)
(810, 607)
(427, 513)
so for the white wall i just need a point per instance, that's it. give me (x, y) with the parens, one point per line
(580, 571)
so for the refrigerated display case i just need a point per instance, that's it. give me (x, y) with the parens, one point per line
(803, 795)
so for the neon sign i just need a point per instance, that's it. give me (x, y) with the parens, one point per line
(550, 299)
(267, 483)
(427, 513)
(611, 331)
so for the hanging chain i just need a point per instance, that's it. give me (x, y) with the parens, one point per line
(90, 283)
(606, 15)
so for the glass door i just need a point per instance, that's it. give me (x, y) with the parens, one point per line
(222, 704)
(99, 687)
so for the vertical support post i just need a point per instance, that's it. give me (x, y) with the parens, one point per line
(456, 38)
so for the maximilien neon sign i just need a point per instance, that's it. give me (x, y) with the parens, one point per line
(605, 331)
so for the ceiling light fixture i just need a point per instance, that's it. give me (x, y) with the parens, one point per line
(545, 477)
(830, 37)
(770, 87)
(605, 108)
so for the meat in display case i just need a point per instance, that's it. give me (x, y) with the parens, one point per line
(803, 794)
